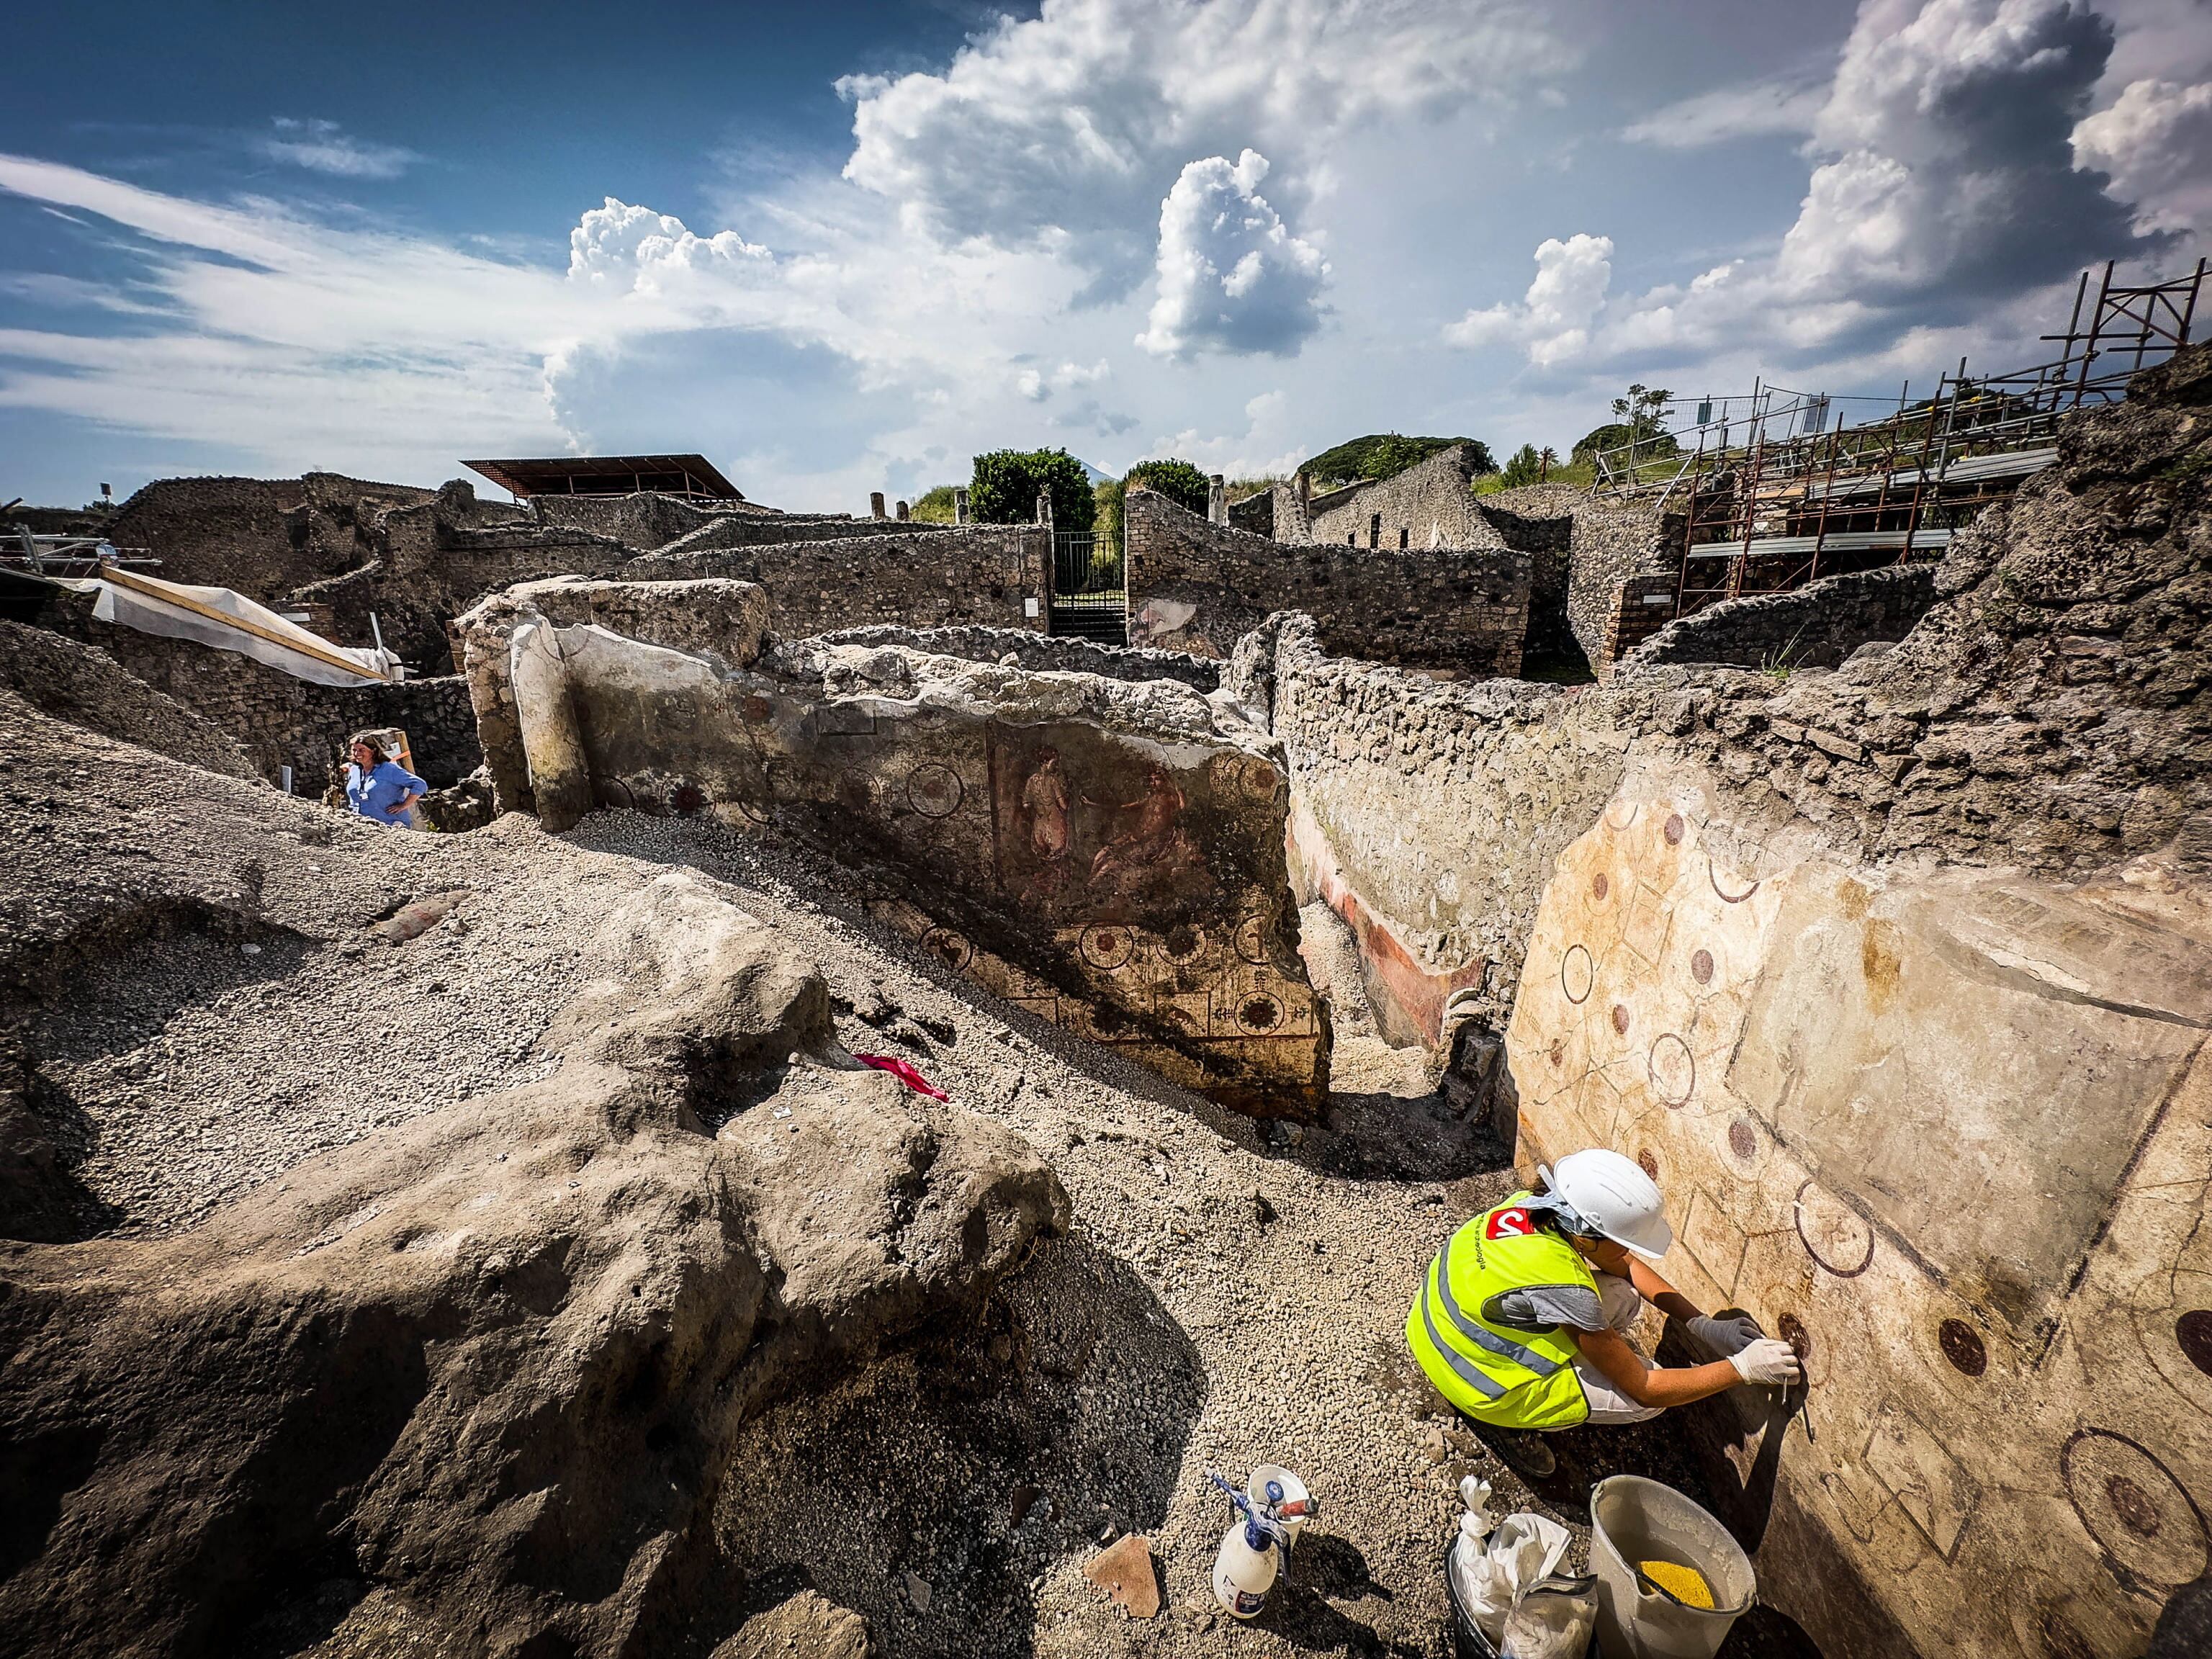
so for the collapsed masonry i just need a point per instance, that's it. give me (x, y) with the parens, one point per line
(1896, 974)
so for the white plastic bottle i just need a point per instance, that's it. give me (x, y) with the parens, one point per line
(1245, 1570)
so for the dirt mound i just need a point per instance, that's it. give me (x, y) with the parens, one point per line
(85, 686)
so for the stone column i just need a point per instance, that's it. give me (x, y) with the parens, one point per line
(1217, 499)
(960, 506)
(560, 777)
(903, 512)
(1303, 484)
(875, 503)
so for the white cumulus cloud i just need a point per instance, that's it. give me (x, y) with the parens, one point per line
(1553, 321)
(2155, 142)
(1232, 276)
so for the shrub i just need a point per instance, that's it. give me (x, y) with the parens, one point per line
(1385, 455)
(1007, 483)
(1179, 481)
(934, 508)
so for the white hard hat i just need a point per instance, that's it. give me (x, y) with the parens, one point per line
(1616, 1197)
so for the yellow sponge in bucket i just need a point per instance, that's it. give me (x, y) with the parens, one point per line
(1686, 1584)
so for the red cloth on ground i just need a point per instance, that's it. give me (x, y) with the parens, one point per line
(905, 1073)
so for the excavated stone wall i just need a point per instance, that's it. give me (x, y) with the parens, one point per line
(1898, 978)
(1427, 815)
(1613, 543)
(1816, 626)
(1197, 587)
(1105, 853)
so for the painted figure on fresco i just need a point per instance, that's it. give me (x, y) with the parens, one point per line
(1154, 845)
(1044, 799)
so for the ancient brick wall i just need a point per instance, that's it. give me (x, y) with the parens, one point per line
(1426, 505)
(1197, 587)
(278, 721)
(1816, 626)
(968, 576)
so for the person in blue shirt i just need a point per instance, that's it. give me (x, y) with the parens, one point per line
(380, 789)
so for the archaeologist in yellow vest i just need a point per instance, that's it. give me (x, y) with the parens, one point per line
(1521, 1319)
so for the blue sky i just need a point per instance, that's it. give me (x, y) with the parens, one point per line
(841, 247)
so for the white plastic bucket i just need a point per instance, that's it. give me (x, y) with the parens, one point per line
(1294, 1491)
(1633, 1520)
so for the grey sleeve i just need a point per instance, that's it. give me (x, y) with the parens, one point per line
(1540, 1307)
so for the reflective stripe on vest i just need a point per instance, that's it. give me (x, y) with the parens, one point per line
(1515, 1379)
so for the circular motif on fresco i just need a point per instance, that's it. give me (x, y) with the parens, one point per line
(1600, 885)
(679, 711)
(1701, 967)
(1834, 1233)
(1674, 829)
(1791, 1329)
(1182, 942)
(613, 794)
(1743, 1140)
(1713, 874)
(1674, 1072)
(1648, 1161)
(1577, 973)
(952, 949)
(2134, 1509)
(1106, 945)
(1620, 1019)
(1621, 814)
(756, 710)
(933, 790)
(1258, 1013)
(1963, 1347)
(1259, 778)
(1252, 940)
(2193, 1331)
(687, 799)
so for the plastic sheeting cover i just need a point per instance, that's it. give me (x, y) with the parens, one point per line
(152, 606)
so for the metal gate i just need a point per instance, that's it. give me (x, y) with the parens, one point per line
(1090, 597)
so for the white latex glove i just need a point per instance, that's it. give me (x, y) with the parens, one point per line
(1727, 1336)
(1768, 1362)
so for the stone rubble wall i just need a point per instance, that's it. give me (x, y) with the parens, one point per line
(1039, 653)
(1613, 542)
(1816, 626)
(913, 576)
(1198, 588)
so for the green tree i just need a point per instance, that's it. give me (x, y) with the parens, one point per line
(1639, 418)
(1179, 481)
(1108, 496)
(1385, 455)
(1523, 466)
(1007, 483)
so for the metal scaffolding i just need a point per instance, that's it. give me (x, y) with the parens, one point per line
(1774, 497)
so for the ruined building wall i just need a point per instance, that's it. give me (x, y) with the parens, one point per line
(1197, 587)
(974, 575)
(1427, 506)
(768, 530)
(1040, 652)
(1107, 853)
(1816, 626)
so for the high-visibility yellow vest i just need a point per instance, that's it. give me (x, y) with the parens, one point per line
(1517, 1379)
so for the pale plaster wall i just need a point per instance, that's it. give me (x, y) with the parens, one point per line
(1952, 1132)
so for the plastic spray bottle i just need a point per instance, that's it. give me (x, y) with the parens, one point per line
(1251, 1555)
